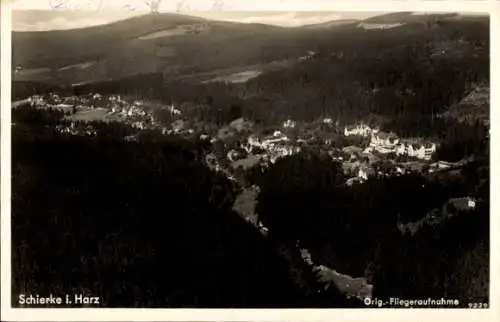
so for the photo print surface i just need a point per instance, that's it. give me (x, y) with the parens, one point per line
(250, 159)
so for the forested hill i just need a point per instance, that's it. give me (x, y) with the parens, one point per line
(411, 71)
(150, 227)
(178, 45)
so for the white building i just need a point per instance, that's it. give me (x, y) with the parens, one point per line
(361, 129)
(363, 175)
(387, 140)
(35, 100)
(173, 110)
(401, 149)
(289, 124)
(419, 152)
(431, 149)
(271, 142)
(389, 143)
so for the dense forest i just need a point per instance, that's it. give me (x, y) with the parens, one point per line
(148, 224)
(137, 224)
(355, 229)
(141, 224)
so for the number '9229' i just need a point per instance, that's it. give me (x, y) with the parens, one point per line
(478, 305)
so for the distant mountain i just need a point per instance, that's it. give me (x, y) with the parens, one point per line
(411, 71)
(170, 43)
(334, 68)
(144, 44)
(408, 17)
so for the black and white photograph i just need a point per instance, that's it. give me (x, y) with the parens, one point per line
(249, 159)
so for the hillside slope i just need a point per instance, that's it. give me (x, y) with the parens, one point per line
(344, 71)
(170, 43)
(137, 45)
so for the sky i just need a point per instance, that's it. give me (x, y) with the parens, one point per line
(256, 5)
(84, 13)
(35, 20)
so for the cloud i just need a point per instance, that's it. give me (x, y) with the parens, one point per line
(288, 19)
(60, 23)
(49, 20)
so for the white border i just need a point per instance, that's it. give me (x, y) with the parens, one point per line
(492, 314)
(5, 96)
(278, 5)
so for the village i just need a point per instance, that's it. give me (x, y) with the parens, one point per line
(385, 155)
(378, 158)
(385, 143)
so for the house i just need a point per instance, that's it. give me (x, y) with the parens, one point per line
(362, 174)
(464, 203)
(271, 142)
(389, 140)
(35, 100)
(360, 129)
(418, 151)
(289, 124)
(173, 110)
(401, 149)
(253, 141)
(139, 125)
(328, 121)
(115, 98)
(410, 151)
(430, 149)
(384, 150)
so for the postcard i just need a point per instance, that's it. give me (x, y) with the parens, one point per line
(260, 161)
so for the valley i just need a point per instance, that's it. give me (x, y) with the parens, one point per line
(324, 164)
